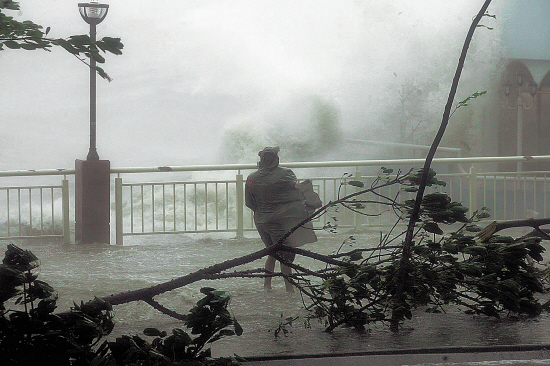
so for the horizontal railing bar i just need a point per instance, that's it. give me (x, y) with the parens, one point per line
(21, 173)
(31, 237)
(315, 164)
(334, 164)
(187, 168)
(524, 174)
(186, 232)
(498, 176)
(180, 182)
(29, 187)
(217, 181)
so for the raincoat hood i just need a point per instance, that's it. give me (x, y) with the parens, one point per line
(269, 158)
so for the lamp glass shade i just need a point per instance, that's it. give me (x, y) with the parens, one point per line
(93, 13)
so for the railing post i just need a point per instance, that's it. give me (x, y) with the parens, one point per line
(357, 216)
(119, 237)
(65, 211)
(239, 186)
(473, 189)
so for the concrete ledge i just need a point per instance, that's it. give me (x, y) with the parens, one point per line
(523, 354)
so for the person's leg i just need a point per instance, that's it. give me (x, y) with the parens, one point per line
(270, 268)
(270, 261)
(288, 257)
(287, 271)
(271, 234)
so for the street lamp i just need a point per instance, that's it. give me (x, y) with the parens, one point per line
(93, 14)
(520, 106)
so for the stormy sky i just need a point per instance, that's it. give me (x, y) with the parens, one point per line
(192, 70)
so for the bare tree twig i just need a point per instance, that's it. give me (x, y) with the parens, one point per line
(398, 300)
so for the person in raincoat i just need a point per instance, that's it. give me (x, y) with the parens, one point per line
(272, 194)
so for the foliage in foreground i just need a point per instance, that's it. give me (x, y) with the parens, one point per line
(30, 332)
(493, 278)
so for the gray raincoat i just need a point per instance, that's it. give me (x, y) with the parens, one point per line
(278, 204)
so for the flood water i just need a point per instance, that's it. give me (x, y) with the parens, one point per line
(79, 272)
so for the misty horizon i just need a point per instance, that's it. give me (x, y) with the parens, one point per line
(193, 75)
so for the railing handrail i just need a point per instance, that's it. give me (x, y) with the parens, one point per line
(311, 164)
(332, 164)
(32, 172)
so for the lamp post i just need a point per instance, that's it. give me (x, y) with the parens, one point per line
(92, 176)
(520, 106)
(93, 14)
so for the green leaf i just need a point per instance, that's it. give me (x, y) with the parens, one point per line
(158, 355)
(12, 44)
(473, 228)
(67, 46)
(112, 45)
(490, 310)
(94, 54)
(433, 228)
(355, 256)
(238, 328)
(182, 335)
(8, 4)
(226, 332)
(218, 293)
(79, 40)
(103, 74)
(475, 95)
(152, 332)
(356, 183)
(483, 215)
(207, 290)
(475, 250)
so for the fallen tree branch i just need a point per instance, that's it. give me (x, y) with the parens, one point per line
(206, 273)
(496, 226)
(147, 294)
(150, 292)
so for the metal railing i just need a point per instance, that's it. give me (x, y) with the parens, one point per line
(160, 205)
(199, 206)
(41, 211)
(196, 206)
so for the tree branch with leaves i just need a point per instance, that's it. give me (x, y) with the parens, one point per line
(403, 272)
(29, 36)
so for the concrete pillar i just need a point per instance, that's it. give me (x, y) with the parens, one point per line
(92, 201)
